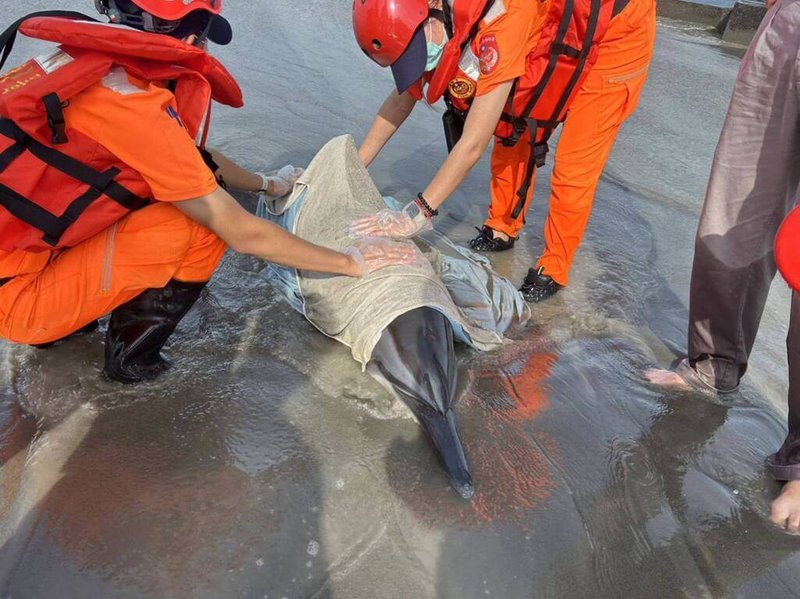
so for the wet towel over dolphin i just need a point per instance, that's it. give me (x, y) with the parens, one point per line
(335, 190)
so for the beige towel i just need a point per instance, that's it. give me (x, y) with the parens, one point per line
(338, 189)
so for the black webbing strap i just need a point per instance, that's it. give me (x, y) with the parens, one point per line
(619, 6)
(548, 124)
(566, 50)
(563, 27)
(212, 165)
(539, 149)
(10, 154)
(30, 213)
(99, 183)
(76, 208)
(75, 169)
(55, 118)
(536, 159)
(517, 126)
(522, 192)
(520, 123)
(588, 40)
(52, 226)
(9, 36)
(447, 17)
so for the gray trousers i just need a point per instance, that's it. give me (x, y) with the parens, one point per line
(753, 185)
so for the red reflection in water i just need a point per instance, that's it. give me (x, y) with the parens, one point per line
(510, 461)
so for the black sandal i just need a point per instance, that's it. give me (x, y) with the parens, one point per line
(538, 286)
(486, 242)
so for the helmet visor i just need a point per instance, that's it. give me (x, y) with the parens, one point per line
(205, 25)
(411, 65)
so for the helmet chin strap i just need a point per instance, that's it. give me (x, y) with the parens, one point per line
(202, 37)
(444, 17)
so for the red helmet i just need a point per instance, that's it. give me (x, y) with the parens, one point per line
(174, 10)
(174, 17)
(390, 32)
(787, 249)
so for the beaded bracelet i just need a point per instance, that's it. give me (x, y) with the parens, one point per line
(426, 208)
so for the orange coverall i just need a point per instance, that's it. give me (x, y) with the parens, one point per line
(608, 96)
(52, 294)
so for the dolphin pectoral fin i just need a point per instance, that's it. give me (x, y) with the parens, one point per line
(415, 359)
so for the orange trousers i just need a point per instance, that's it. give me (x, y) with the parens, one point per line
(608, 96)
(145, 250)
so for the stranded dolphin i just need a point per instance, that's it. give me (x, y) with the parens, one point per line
(399, 322)
(415, 359)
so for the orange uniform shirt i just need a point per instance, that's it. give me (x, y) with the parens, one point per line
(138, 122)
(498, 53)
(503, 43)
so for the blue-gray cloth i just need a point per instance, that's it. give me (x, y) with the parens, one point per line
(461, 284)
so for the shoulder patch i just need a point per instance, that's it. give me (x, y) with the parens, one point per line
(489, 53)
(462, 88)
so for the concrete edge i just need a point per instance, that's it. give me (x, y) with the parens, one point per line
(693, 12)
(735, 25)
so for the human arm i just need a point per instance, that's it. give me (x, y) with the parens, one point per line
(234, 176)
(478, 129)
(248, 234)
(392, 114)
(237, 178)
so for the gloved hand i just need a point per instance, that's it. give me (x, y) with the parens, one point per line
(399, 224)
(375, 253)
(282, 182)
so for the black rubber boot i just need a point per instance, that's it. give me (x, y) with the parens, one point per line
(139, 329)
(537, 286)
(486, 242)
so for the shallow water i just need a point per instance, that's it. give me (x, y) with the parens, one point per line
(267, 465)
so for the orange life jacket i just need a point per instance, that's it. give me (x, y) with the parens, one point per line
(556, 67)
(58, 186)
(555, 70)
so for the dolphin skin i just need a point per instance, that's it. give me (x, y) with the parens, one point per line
(415, 359)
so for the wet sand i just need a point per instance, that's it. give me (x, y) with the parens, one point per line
(267, 465)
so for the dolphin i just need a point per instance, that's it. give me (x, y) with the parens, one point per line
(414, 356)
(415, 360)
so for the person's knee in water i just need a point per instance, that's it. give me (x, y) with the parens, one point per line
(147, 218)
